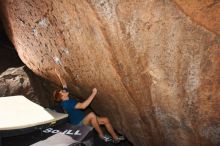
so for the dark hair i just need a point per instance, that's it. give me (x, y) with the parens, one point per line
(66, 89)
(57, 95)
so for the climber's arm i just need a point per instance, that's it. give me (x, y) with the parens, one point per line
(86, 103)
(63, 82)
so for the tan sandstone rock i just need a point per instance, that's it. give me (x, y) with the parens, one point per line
(155, 63)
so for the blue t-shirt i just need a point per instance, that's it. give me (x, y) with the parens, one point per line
(75, 115)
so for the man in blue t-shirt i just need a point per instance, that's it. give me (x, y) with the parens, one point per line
(77, 116)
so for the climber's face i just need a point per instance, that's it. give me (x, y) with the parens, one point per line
(65, 94)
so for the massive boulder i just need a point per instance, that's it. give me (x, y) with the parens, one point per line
(155, 63)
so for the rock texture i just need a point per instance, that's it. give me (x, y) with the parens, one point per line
(21, 81)
(205, 13)
(155, 62)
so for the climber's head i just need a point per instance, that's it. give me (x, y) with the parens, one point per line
(60, 95)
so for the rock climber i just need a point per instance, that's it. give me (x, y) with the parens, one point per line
(77, 115)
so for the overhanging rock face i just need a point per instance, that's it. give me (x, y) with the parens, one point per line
(155, 63)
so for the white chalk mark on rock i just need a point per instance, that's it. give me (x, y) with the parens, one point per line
(34, 32)
(43, 22)
(57, 60)
(65, 50)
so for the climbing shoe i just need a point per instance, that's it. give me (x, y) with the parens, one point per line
(107, 138)
(120, 138)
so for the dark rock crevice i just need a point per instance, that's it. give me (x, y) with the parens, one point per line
(8, 56)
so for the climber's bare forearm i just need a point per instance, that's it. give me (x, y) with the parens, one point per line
(63, 82)
(87, 102)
